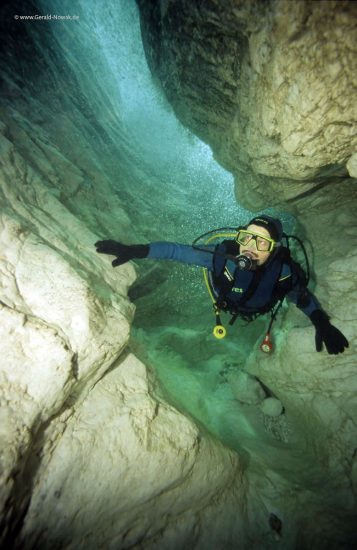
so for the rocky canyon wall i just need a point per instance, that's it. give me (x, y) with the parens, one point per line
(117, 454)
(271, 86)
(65, 323)
(91, 453)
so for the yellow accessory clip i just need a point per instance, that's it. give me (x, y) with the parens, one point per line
(219, 331)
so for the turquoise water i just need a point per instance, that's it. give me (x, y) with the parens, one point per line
(177, 192)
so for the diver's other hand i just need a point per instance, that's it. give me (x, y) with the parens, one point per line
(327, 334)
(123, 252)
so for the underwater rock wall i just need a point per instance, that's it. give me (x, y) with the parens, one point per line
(64, 317)
(88, 455)
(271, 87)
(128, 468)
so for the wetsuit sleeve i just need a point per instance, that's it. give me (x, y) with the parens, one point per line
(299, 294)
(306, 302)
(180, 253)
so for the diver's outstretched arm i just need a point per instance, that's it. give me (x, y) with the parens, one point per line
(183, 253)
(335, 342)
(158, 250)
(327, 334)
(123, 252)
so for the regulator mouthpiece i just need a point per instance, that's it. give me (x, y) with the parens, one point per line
(245, 262)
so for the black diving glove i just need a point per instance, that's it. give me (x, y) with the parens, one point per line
(123, 252)
(326, 333)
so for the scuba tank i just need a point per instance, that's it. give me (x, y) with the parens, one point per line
(244, 262)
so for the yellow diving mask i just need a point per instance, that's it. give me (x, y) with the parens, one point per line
(262, 243)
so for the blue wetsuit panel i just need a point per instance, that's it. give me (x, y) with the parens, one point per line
(293, 295)
(181, 253)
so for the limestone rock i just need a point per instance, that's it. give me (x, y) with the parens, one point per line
(64, 322)
(352, 165)
(271, 406)
(276, 93)
(271, 87)
(252, 81)
(61, 325)
(128, 467)
(246, 388)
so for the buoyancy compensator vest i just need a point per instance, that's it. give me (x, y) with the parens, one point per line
(260, 291)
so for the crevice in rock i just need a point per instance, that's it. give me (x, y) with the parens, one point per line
(25, 471)
(234, 76)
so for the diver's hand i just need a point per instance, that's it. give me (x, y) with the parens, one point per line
(124, 253)
(326, 333)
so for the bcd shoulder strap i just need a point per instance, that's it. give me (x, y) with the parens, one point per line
(220, 260)
(219, 265)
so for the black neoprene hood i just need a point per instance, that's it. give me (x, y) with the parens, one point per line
(273, 225)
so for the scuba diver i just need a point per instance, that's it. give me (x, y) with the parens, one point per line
(247, 275)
